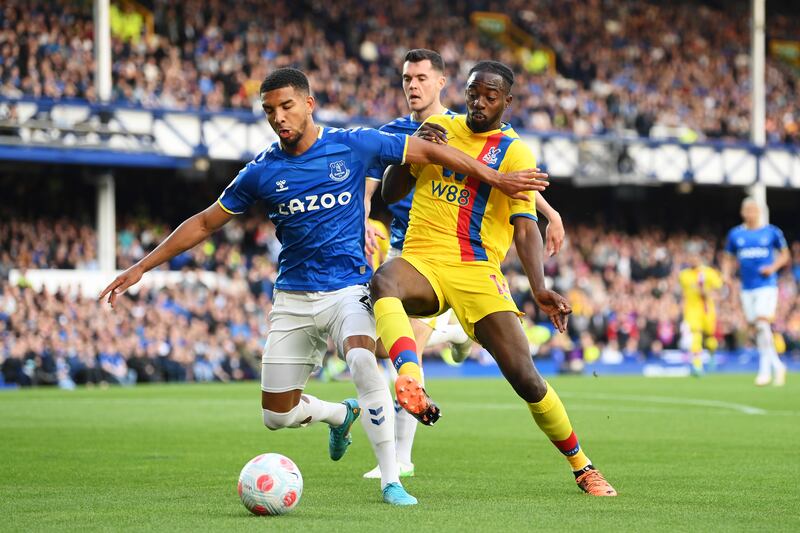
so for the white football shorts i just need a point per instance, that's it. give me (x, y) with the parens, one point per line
(759, 303)
(301, 323)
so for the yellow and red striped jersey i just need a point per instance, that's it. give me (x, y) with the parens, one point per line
(458, 218)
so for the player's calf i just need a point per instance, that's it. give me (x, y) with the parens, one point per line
(527, 382)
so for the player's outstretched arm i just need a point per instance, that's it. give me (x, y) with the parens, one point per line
(531, 253)
(190, 233)
(554, 234)
(513, 184)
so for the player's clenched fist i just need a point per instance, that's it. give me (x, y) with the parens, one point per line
(122, 283)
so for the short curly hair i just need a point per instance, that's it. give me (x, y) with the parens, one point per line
(285, 77)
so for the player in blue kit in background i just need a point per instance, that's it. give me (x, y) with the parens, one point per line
(312, 182)
(754, 245)
(423, 80)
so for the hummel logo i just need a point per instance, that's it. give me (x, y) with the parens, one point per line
(281, 186)
(366, 303)
(375, 412)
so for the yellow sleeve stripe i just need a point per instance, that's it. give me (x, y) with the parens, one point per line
(219, 202)
(370, 178)
(405, 151)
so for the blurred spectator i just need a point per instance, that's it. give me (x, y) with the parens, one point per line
(626, 304)
(677, 69)
(151, 336)
(623, 289)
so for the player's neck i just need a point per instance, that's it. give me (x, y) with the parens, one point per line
(422, 115)
(754, 225)
(306, 141)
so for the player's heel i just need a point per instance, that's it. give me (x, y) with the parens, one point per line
(412, 397)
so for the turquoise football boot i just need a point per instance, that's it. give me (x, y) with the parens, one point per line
(395, 494)
(339, 438)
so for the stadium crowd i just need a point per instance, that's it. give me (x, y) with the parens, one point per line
(677, 69)
(622, 287)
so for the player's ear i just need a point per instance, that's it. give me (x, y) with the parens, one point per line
(509, 98)
(442, 82)
(311, 103)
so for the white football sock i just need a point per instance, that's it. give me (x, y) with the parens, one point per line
(331, 413)
(768, 360)
(309, 411)
(453, 333)
(377, 411)
(405, 427)
(777, 364)
(392, 373)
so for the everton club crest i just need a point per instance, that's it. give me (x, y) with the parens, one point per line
(339, 171)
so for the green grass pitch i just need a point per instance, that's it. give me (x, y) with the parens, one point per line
(685, 454)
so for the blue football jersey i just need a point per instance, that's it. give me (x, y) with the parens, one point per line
(755, 249)
(316, 201)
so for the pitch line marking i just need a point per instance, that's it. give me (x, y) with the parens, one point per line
(742, 408)
(698, 402)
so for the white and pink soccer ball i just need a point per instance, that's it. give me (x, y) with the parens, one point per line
(270, 484)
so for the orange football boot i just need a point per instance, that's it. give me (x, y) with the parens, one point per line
(412, 397)
(592, 482)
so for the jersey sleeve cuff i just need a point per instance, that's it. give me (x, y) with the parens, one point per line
(219, 202)
(405, 150)
(370, 178)
(526, 215)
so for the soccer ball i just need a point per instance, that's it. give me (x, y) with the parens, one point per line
(270, 484)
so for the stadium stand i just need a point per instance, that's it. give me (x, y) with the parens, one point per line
(623, 288)
(621, 66)
(618, 68)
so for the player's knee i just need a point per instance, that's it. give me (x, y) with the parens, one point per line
(382, 285)
(364, 369)
(276, 421)
(763, 328)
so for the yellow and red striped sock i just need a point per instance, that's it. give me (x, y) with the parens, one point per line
(394, 329)
(552, 419)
